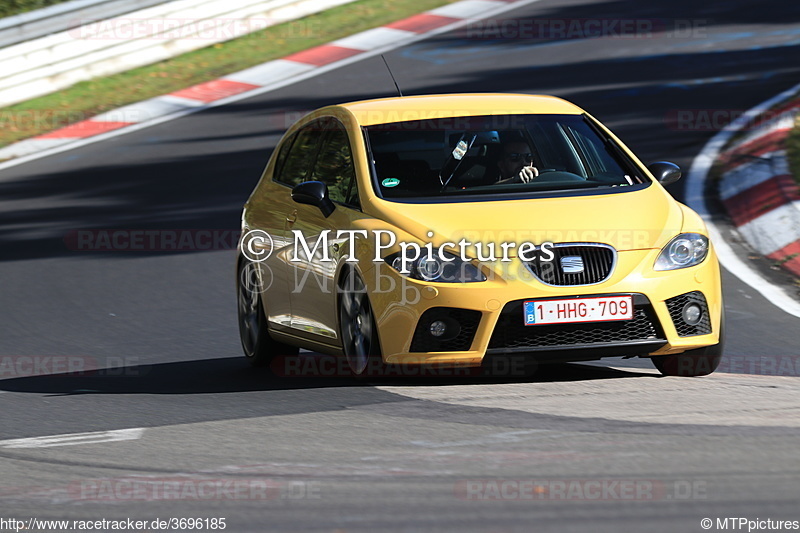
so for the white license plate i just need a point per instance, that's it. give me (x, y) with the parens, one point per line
(571, 310)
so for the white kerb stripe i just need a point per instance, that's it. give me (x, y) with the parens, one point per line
(182, 103)
(31, 146)
(465, 9)
(377, 37)
(270, 72)
(774, 229)
(784, 122)
(753, 173)
(140, 111)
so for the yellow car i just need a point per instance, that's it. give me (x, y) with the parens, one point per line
(455, 230)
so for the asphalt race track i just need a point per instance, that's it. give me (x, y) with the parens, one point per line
(602, 447)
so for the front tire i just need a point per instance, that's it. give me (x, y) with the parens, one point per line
(258, 346)
(358, 330)
(693, 363)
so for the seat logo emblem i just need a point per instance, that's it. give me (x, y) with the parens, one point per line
(572, 264)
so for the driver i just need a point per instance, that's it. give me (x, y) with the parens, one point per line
(516, 163)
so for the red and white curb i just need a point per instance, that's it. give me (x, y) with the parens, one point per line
(760, 194)
(757, 191)
(261, 78)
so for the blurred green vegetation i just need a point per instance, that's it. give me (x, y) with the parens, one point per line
(15, 7)
(793, 150)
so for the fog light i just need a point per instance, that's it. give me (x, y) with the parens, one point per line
(438, 327)
(692, 313)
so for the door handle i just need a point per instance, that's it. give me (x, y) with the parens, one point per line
(291, 219)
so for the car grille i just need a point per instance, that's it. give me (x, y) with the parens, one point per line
(675, 307)
(464, 321)
(510, 333)
(598, 262)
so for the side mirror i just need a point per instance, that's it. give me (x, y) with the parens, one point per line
(665, 172)
(314, 193)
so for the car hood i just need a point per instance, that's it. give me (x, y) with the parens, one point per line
(631, 220)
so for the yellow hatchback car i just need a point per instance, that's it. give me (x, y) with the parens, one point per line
(453, 230)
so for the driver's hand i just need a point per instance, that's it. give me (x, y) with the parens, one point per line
(527, 174)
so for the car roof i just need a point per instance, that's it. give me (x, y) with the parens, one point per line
(400, 109)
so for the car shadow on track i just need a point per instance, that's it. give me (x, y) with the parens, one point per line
(507, 373)
(307, 371)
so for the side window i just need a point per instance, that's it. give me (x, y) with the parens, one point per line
(335, 167)
(299, 161)
(281, 158)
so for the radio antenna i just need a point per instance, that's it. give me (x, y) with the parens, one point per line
(392, 75)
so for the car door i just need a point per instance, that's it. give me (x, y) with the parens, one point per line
(313, 283)
(267, 211)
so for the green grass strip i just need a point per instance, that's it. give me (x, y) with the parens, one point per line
(9, 8)
(89, 98)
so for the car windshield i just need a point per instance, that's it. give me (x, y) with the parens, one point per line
(506, 155)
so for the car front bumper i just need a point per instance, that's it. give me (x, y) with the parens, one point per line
(489, 321)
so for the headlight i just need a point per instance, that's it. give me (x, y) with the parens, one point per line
(433, 268)
(685, 250)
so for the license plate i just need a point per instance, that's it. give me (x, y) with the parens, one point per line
(572, 310)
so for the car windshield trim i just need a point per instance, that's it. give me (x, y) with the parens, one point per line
(609, 142)
(528, 195)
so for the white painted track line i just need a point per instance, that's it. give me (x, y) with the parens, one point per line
(72, 439)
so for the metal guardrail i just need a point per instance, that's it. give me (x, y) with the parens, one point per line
(100, 48)
(63, 17)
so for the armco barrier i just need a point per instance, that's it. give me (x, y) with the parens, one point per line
(62, 17)
(101, 48)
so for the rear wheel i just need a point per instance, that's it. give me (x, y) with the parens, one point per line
(259, 348)
(692, 363)
(359, 333)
